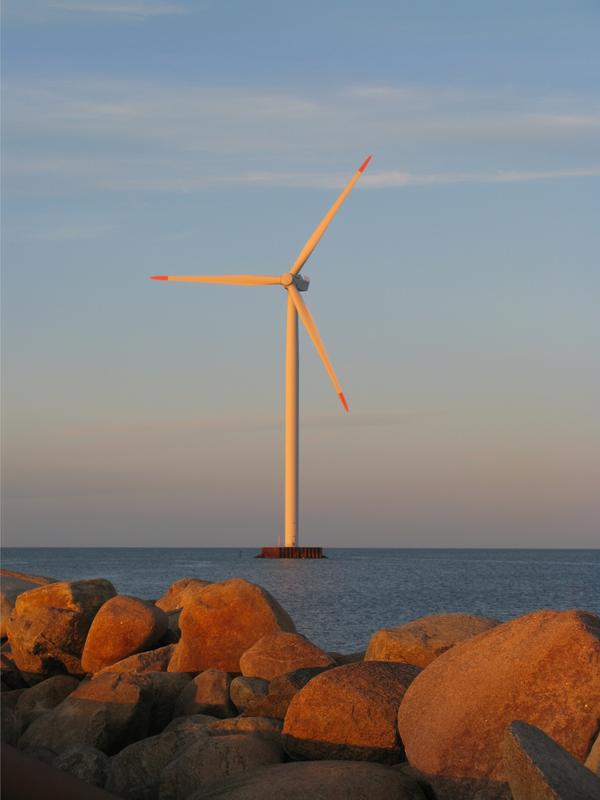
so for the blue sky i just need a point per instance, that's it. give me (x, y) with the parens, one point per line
(456, 290)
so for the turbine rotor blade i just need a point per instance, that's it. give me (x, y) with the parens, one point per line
(235, 280)
(323, 225)
(314, 334)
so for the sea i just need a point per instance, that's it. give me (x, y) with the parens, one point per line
(338, 602)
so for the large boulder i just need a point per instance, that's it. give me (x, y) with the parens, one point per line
(207, 693)
(222, 622)
(281, 690)
(181, 593)
(135, 772)
(12, 584)
(325, 780)
(44, 696)
(123, 626)
(349, 713)
(540, 769)
(215, 758)
(278, 653)
(86, 763)
(423, 640)
(543, 668)
(48, 626)
(107, 712)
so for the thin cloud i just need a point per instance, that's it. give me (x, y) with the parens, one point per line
(38, 10)
(183, 138)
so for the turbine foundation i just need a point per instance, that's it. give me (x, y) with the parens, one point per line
(291, 552)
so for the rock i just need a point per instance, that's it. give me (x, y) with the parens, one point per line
(593, 760)
(107, 712)
(347, 658)
(10, 725)
(349, 713)
(543, 668)
(245, 691)
(421, 641)
(222, 622)
(167, 687)
(214, 758)
(135, 772)
(322, 780)
(266, 726)
(123, 626)
(540, 769)
(24, 778)
(40, 754)
(150, 661)
(278, 653)
(180, 593)
(14, 584)
(281, 691)
(45, 696)
(11, 676)
(192, 723)
(174, 631)
(86, 763)
(207, 693)
(48, 626)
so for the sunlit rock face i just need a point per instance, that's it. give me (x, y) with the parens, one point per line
(122, 626)
(542, 668)
(421, 641)
(49, 625)
(224, 621)
(278, 653)
(349, 712)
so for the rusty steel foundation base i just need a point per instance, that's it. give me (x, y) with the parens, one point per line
(291, 552)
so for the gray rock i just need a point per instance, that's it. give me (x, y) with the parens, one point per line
(10, 725)
(321, 780)
(107, 713)
(45, 696)
(244, 691)
(207, 693)
(85, 763)
(167, 687)
(135, 772)
(40, 754)
(540, 769)
(190, 723)
(281, 692)
(215, 758)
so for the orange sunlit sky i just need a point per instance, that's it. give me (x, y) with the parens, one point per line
(456, 291)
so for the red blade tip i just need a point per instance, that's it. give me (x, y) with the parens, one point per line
(364, 166)
(343, 399)
(159, 277)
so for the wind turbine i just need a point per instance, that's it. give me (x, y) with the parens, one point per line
(293, 283)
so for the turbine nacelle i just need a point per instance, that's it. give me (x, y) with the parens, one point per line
(301, 282)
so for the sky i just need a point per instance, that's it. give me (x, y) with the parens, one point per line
(456, 291)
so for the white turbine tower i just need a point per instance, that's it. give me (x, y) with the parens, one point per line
(293, 283)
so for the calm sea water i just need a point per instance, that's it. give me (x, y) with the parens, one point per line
(340, 601)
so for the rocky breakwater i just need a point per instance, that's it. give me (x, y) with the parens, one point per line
(211, 693)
